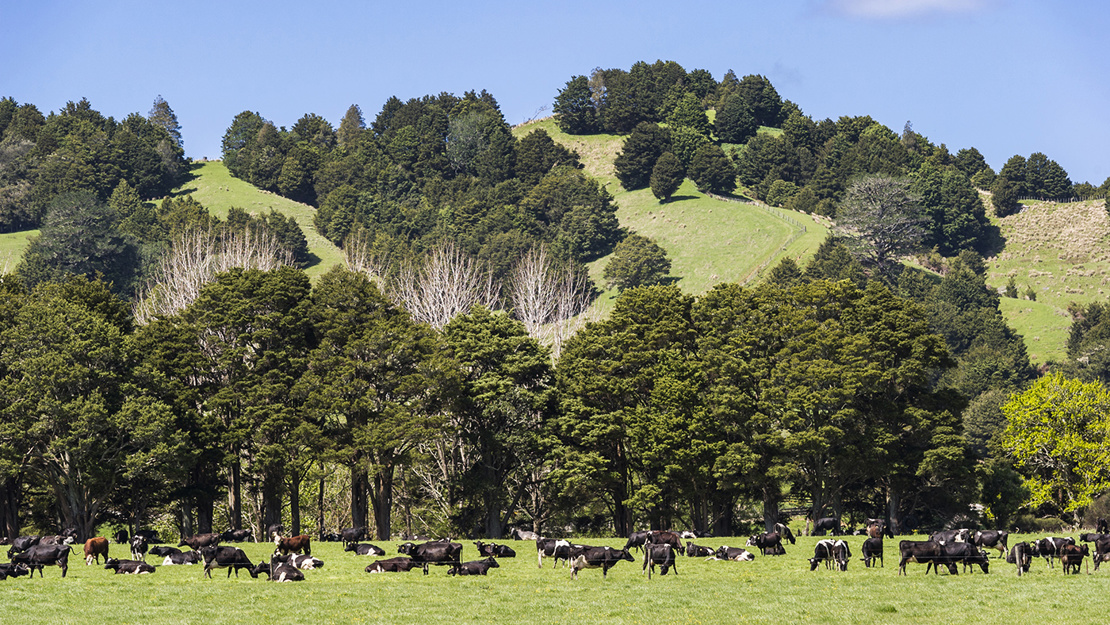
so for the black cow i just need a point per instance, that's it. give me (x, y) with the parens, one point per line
(162, 552)
(737, 554)
(1102, 526)
(783, 530)
(138, 548)
(637, 540)
(364, 550)
(1071, 556)
(604, 558)
(221, 557)
(393, 565)
(663, 537)
(769, 544)
(921, 552)
(826, 524)
(697, 551)
(831, 552)
(517, 534)
(187, 558)
(873, 550)
(1050, 548)
(121, 537)
(39, 556)
(663, 555)
(965, 553)
(353, 535)
(200, 541)
(435, 552)
(23, 543)
(1102, 551)
(1091, 537)
(237, 536)
(475, 567)
(494, 550)
(128, 567)
(1021, 554)
(993, 539)
(552, 548)
(951, 536)
(330, 537)
(13, 570)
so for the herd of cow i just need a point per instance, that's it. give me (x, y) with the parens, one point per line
(292, 555)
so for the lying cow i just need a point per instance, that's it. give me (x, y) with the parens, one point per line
(475, 567)
(1021, 554)
(183, 559)
(163, 552)
(284, 571)
(392, 565)
(296, 560)
(697, 551)
(128, 567)
(872, 550)
(663, 555)
(604, 558)
(94, 548)
(364, 549)
(736, 554)
(831, 552)
(13, 570)
(494, 550)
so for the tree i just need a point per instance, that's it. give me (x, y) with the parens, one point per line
(448, 283)
(638, 155)
(537, 154)
(162, 115)
(637, 261)
(550, 301)
(689, 113)
(734, 122)
(881, 221)
(1004, 197)
(574, 108)
(238, 142)
(351, 128)
(712, 171)
(666, 177)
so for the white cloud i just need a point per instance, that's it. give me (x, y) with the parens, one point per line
(895, 9)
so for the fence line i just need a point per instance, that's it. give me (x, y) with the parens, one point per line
(799, 230)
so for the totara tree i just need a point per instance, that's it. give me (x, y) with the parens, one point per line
(734, 122)
(1004, 197)
(637, 261)
(666, 177)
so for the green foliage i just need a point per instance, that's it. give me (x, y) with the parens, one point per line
(712, 170)
(781, 192)
(537, 154)
(1011, 288)
(954, 208)
(786, 273)
(638, 155)
(575, 212)
(734, 122)
(637, 261)
(685, 143)
(834, 261)
(574, 108)
(162, 115)
(761, 99)
(688, 113)
(1004, 197)
(666, 176)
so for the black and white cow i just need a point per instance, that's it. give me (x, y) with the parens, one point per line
(637, 540)
(281, 570)
(13, 570)
(992, 539)
(302, 562)
(162, 552)
(604, 558)
(736, 554)
(961, 553)
(435, 552)
(40, 556)
(951, 536)
(494, 550)
(783, 530)
(151, 536)
(1050, 548)
(697, 551)
(474, 567)
(128, 567)
(921, 552)
(832, 553)
(872, 550)
(364, 550)
(552, 548)
(182, 559)
(1021, 555)
(138, 548)
(223, 557)
(663, 555)
(768, 544)
(392, 565)
(518, 534)
(826, 525)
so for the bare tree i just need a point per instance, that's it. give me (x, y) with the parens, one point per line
(448, 283)
(359, 256)
(551, 303)
(882, 221)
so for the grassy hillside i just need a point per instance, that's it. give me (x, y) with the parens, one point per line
(12, 245)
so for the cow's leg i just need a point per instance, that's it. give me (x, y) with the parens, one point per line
(425, 568)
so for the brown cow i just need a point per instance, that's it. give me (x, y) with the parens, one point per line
(293, 544)
(94, 548)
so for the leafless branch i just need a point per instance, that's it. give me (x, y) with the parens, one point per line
(448, 283)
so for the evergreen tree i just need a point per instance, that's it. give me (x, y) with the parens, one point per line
(712, 170)
(666, 177)
(688, 113)
(351, 127)
(734, 122)
(637, 261)
(574, 108)
(638, 155)
(162, 115)
(1004, 197)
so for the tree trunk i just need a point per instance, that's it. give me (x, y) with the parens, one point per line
(893, 503)
(9, 506)
(186, 518)
(383, 501)
(295, 502)
(723, 517)
(359, 486)
(320, 504)
(271, 499)
(234, 499)
(770, 507)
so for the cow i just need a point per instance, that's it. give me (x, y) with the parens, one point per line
(960, 552)
(275, 529)
(305, 563)
(475, 567)
(873, 550)
(293, 544)
(393, 565)
(771, 543)
(187, 558)
(783, 530)
(877, 528)
(163, 552)
(237, 536)
(951, 536)
(736, 554)
(94, 548)
(993, 539)
(364, 550)
(662, 537)
(494, 550)
(552, 548)
(1102, 526)
(13, 570)
(826, 524)
(23, 543)
(122, 537)
(330, 537)
(1050, 548)
(1102, 550)
(151, 536)
(697, 551)
(221, 557)
(434, 552)
(282, 570)
(517, 534)
(604, 558)
(1092, 537)
(200, 541)
(128, 567)
(353, 535)
(39, 556)
(56, 539)
(138, 548)
(830, 552)
(1021, 554)
(921, 552)
(663, 555)
(1071, 556)
(637, 540)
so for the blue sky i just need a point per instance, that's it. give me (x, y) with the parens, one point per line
(1005, 76)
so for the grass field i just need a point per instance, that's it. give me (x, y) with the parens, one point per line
(778, 589)
(12, 245)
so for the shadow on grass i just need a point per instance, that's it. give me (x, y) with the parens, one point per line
(679, 198)
(311, 261)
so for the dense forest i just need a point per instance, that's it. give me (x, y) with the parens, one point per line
(161, 366)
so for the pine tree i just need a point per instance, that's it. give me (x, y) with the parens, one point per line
(163, 116)
(351, 127)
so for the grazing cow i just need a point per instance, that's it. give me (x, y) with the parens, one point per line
(162, 552)
(1102, 526)
(434, 552)
(200, 541)
(993, 539)
(637, 540)
(128, 567)
(662, 537)
(783, 530)
(921, 552)
(960, 552)
(663, 555)
(1071, 556)
(826, 524)
(293, 544)
(121, 537)
(1021, 554)
(44, 555)
(1050, 548)
(475, 567)
(873, 550)
(697, 551)
(517, 534)
(552, 548)
(13, 570)
(951, 536)
(220, 557)
(830, 552)
(237, 536)
(94, 548)
(769, 544)
(604, 558)
(736, 554)
(138, 548)
(1090, 537)
(392, 565)
(353, 535)
(364, 550)
(23, 543)
(494, 550)
(187, 558)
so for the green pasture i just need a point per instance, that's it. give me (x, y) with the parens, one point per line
(12, 245)
(778, 589)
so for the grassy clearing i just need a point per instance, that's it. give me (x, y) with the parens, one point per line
(12, 245)
(769, 590)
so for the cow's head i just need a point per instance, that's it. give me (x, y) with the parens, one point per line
(406, 548)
